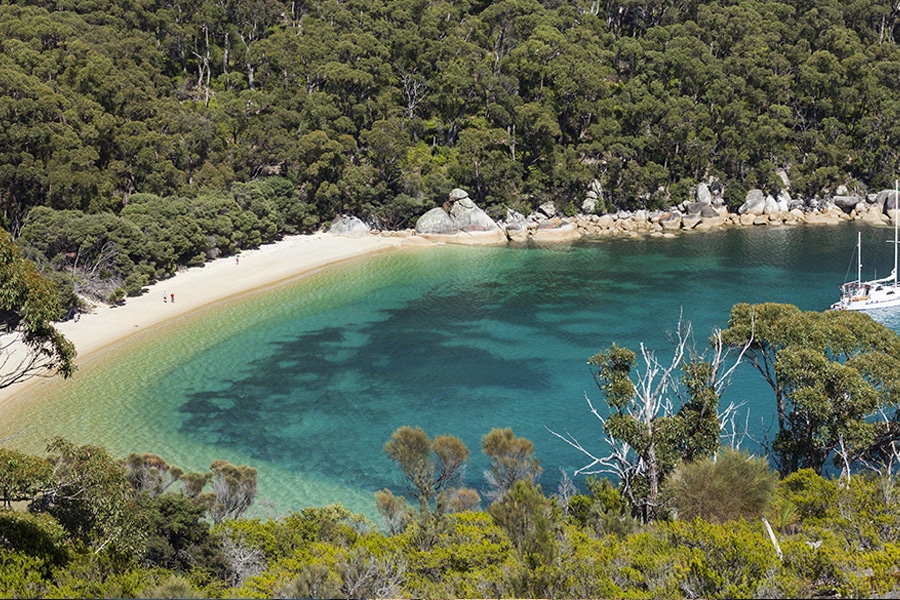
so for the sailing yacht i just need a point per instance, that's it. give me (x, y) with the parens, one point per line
(876, 293)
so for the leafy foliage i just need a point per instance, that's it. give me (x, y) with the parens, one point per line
(655, 418)
(34, 535)
(831, 373)
(511, 459)
(527, 518)
(29, 303)
(90, 498)
(234, 488)
(843, 540)
(429, 466)
(22, 476)
(179, 538)
(731, 486)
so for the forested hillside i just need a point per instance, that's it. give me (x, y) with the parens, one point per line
(379, 107)
(159, 133)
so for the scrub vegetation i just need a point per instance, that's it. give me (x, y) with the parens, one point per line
(84, 525)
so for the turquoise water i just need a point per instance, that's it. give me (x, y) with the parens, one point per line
(307, 382)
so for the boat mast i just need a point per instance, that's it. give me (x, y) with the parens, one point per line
(859, 257)
(896, 210)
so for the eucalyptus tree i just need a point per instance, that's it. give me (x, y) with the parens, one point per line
(30, 346)
(483, 162)
(234, 488)
(27, 104)
(150, 474)
(22, 476)
(835, 376)
(97, 252)
(518, 101)
(171, 234)
(90, 496)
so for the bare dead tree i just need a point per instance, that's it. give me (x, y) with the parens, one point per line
(731, 435)
(414, 87)
(657, 394)
(203, 66)
(620, 461)
(91, 268)
(843, 454)
(365, 576)
(565, 491)
(244, 560)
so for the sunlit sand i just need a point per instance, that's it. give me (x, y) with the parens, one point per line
(190, 289)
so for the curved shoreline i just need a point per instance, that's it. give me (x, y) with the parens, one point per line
(299, 255)
(199, 287)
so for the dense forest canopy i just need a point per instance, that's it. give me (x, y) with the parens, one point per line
(378, 108)
(137, 137)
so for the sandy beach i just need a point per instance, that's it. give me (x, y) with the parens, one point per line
(252, 270)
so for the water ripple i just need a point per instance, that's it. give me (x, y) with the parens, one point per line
(307, 382)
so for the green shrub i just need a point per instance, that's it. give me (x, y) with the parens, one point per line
(730, 486)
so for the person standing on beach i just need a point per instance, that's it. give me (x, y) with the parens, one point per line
(164, 296)
(173, 297)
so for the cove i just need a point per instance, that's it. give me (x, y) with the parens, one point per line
(306, 382)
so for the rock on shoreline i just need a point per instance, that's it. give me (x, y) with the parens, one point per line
(460, 221)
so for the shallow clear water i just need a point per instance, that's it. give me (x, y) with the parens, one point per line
(307, 382)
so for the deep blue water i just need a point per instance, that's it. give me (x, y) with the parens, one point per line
(306, 383)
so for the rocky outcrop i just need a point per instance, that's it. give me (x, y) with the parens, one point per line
(695, 208)
(436, 222)
(872, 213)
(555, 229)
(547, 210)
(348, 226)
(846, 203)
(516, 226)
(592, 198)
(464, 223)
(470, 218)
(887, 200)
(758, 203)
(754, 203)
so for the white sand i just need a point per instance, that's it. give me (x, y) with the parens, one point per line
(215, 281)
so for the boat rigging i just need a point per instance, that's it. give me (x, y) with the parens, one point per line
(876, 293)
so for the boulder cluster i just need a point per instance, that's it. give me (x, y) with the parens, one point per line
(461, 221)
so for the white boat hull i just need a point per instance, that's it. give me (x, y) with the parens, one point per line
(876, 293)
(883, 296)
